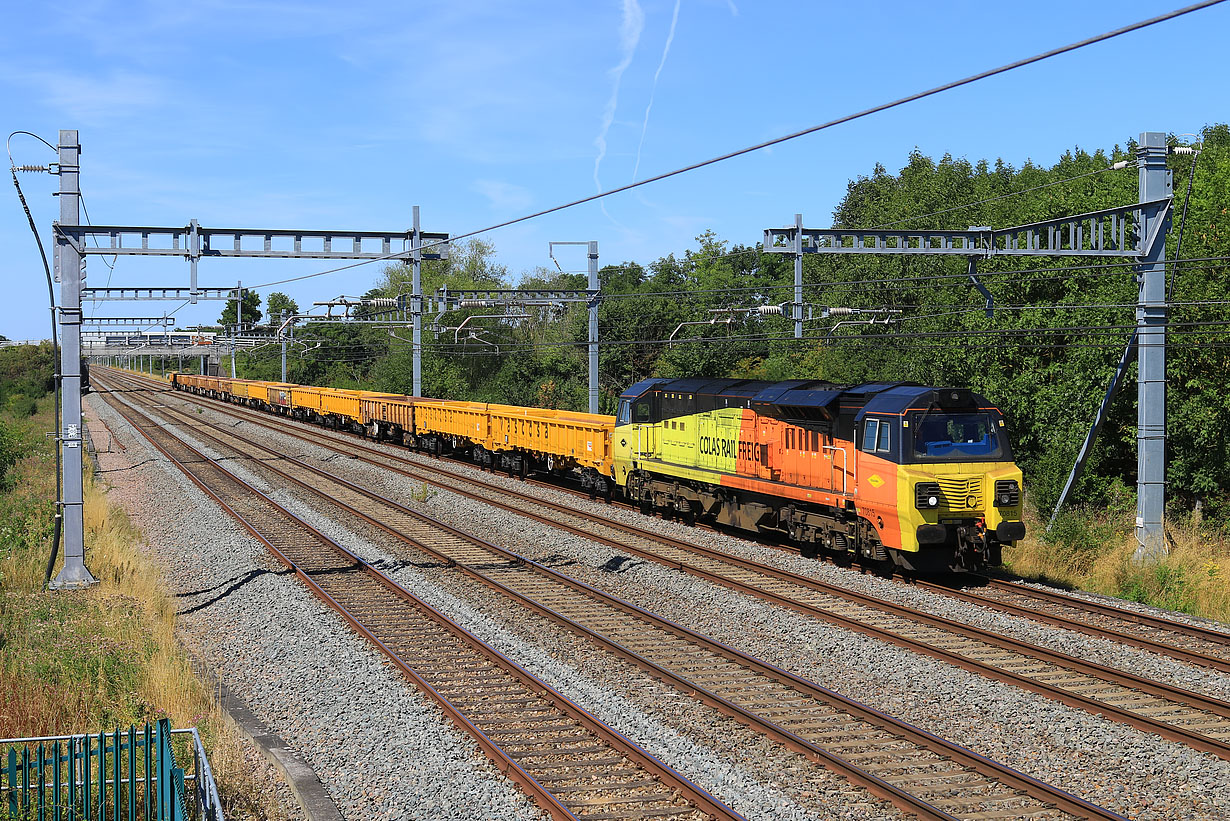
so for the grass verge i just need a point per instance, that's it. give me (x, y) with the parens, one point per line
(91, 660)
(1093, 550)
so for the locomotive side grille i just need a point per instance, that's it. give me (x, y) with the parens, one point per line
(960, 493)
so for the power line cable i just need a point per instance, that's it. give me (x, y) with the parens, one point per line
(982, 75)
(962, 279)
(57, 375)
(1178, 251)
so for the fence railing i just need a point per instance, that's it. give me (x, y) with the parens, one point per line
(124, 775)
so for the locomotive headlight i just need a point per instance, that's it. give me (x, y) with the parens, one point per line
(1007, 493)
(927, 495)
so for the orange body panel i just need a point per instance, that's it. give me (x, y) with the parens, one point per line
(305, 397)
(340, 402)
(393, 410)
(580, 438)
(464, 420)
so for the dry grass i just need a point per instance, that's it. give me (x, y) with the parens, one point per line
(91, 660)
(1093, 551)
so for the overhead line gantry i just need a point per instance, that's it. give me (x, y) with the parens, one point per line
(1136, 232)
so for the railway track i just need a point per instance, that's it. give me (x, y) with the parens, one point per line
(1182, 641)
(574, 766)
(1186, 642)
(917, 771)
(1173, 713)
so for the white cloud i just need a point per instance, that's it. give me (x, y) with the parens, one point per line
(95, 99)
(632, 25)
(504, 196)
(666, 50)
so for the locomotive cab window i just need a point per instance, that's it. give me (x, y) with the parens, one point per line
(882, 441)
(871, 429)
(957, 436)
(625, 411)
(640, 412)
(877, 436)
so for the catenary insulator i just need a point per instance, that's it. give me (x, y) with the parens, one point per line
(769, 310)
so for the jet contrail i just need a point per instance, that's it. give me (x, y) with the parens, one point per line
(629, 36)
(670, 37)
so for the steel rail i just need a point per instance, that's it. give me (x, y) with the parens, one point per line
(959, 755)
(1160, 622)
(1168, 730)
(701, 799)
(1161, 648)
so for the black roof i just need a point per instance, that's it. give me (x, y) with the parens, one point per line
(811, 398)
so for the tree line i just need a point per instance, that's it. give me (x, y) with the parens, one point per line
(1045, 356)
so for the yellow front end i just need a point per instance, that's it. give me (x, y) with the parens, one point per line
(966, 497)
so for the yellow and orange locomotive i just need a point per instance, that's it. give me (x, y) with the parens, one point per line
(922, 477)
(905, 475)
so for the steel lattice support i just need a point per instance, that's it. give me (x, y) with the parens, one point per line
(1151, 317)
(592, 299)
(70, 271)
(1136, 232)
(75, 242)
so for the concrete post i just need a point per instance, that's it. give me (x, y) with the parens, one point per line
(70, 273)
(1151, 318)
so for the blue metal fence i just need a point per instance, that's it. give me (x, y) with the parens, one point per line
(125, 775)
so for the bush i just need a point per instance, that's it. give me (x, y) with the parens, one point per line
(10, 450)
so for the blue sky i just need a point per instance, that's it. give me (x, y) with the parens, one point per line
(317, 115)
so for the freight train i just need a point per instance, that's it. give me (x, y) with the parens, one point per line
(896, 475)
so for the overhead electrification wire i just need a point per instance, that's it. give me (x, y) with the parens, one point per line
(982, 75)
(1196, 327)
(1178, 251)
(960, 279)
(55, 344)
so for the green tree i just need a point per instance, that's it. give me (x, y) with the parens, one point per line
(251, 310)
(277, 304)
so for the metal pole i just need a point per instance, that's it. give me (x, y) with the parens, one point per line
(284, 314)
(238, 321)
(194, 254)
(70, 273)
(416, 308)
(797, 311)
(593, 327)
(1151, 318)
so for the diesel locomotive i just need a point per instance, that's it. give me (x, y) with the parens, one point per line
(896, 475)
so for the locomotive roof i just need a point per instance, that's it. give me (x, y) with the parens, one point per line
(877, 397)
